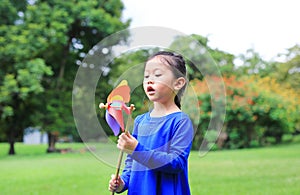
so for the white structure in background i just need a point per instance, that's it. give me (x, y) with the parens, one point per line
(34, 136)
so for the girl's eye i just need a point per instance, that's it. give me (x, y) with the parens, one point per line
(146, 76)
(157, 75)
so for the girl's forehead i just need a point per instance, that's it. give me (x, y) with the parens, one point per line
(155, 63)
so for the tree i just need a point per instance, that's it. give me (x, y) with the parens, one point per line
(22, 71)
(288, 72)
(89, 22)
(208, 61)
(256, 109)
(41, 34)
(251, 63)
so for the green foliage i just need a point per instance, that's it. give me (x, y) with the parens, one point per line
(288, 72)
(40, 42)
(202, 59)
(8, 12)
(252, 63)
(257, 109)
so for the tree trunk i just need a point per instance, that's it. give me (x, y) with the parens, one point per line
(11, 141)
(52, 139)
(278, 138)
(11, 148)
(63, 64)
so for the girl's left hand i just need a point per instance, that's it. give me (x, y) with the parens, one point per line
(127, 143)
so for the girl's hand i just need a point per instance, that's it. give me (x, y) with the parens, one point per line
(127, 143)
(115, 185)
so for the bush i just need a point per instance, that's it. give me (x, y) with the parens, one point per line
(259, 111)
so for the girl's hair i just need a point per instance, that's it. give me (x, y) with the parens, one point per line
(177, 63)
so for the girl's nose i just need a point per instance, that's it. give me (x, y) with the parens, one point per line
(150, 82)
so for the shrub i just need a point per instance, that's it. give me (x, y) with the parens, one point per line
(258, 110)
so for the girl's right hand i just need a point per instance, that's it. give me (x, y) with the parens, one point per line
(115, 185)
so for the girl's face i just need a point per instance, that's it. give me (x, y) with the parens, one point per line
(159, 81)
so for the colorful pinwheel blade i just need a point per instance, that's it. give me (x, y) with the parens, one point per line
(112, 123)
(126, 109)
(117, 115)
(121, 93)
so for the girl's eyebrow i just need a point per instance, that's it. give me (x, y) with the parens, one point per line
(155, 69)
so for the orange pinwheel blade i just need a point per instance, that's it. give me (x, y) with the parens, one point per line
(120, 93)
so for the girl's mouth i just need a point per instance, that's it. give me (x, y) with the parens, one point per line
(150, 90)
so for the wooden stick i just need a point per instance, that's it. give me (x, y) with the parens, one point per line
(121, 152)
(118, 167)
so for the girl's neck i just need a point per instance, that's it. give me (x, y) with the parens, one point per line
(163, 109)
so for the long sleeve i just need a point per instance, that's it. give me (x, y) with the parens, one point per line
(172, 160)
(126, 172)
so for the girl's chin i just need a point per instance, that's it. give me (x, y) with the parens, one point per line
(151, 97)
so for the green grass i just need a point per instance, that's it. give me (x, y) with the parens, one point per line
(273, 170)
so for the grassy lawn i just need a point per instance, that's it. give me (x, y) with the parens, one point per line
(273, 170)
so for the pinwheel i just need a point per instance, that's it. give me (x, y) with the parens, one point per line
(115, 105)
(114, 113)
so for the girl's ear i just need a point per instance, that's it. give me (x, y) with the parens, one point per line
(179, 83)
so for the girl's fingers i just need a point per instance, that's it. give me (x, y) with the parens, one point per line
(113, 183)
(123, 136)
(114, 179)
(126, 137)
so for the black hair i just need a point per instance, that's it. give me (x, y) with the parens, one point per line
(177, 63)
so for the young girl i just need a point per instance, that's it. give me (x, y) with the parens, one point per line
(160, 144)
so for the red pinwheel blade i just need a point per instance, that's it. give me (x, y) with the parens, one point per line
(117, 115)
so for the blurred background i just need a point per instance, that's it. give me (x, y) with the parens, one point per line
(254, 44)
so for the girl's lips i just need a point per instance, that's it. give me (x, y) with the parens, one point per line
(150, 90)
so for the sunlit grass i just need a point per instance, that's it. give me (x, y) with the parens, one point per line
(263, 171)
(273, 170)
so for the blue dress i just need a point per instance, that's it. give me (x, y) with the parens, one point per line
(159, 164)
